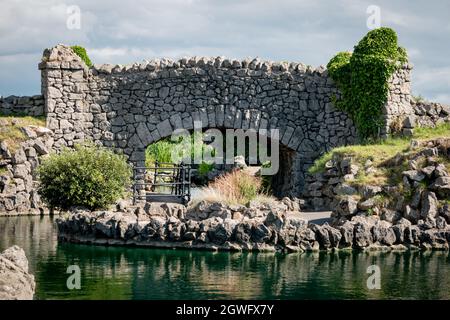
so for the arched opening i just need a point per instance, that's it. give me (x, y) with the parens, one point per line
(279, 184)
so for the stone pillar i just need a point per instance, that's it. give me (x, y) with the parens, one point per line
(398, 109)
(64, 87)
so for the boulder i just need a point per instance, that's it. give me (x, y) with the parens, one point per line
(368, 191)
(383, 233)
(390, 215)
(412, 235)
(445, 212)
(366, 204)
(442, 187)
(16, 283)
(243, 232)
(347, 206)
(362, 235)
(260, 233)
(429, 203)
(414, 175)
(221, 232)
(344, 190)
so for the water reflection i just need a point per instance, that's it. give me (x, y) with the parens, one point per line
(133, 273)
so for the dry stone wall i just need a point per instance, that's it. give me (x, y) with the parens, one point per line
(18, 181)
(31, 106)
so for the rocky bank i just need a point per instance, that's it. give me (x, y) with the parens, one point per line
(258, 227)
(16, 283)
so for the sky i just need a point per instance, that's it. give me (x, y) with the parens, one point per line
(311, 32)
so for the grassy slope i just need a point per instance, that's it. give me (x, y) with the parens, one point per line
(10, 131)
(379, 152)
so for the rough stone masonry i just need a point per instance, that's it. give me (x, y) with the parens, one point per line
(129, 107)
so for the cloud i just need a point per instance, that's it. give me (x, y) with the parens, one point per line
(307, 31)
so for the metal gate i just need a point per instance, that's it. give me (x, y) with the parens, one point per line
(165, 182)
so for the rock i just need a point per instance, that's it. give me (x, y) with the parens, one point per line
(411, 214)
(412, 235)
(176, 210)
(383, 233)
(237, 216)
(441, 223)
(429, 205)
(440, 171)
(15, 281)
(334, 235)
(428, 223)
(4, 150)
(415, 201)
(222, 232)
(368, 191)
(274, 219)
(122, 205)
(344, 190)
(19, 156)
(441, 186)
(445, 212)
(105, 225)
(40, 147)
(347, 206)
(243, 232)
(414, 175)
(239, 162)
(189, 236)
(362, 235)
(260, 233)
(125, 227)
(367, 204)
(155, 229)
(322, 236)
(390, 215)
(428, 171)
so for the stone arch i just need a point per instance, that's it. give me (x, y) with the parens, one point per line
(119, 106)
(289, 179)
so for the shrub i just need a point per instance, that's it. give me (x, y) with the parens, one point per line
(89, 176)
(81, 52)
(363, 76)
(236, 187)
(204, 168)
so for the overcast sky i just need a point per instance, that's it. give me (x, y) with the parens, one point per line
(125, 31)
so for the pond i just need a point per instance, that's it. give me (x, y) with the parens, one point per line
(135, 273)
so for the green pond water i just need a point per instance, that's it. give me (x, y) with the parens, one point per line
(133, 273)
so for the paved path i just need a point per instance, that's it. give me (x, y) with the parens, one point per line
(319, 217)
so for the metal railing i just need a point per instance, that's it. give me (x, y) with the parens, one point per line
(164, 176)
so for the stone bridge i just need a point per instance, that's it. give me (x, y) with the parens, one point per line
(129, 107)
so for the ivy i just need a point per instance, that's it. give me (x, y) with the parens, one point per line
(81, 52)
(363, 78)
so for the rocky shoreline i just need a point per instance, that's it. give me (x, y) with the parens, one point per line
(257, 227)
(16, 283)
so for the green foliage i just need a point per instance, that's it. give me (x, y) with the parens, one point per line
(204, 168)
(163, 149)
(81, 52)
(89, 176)
(160, 151)
(248, 187)
(363, 76)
